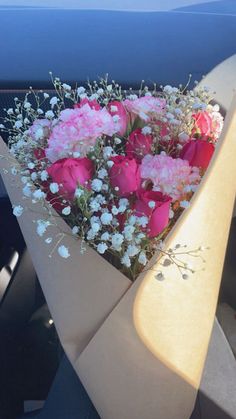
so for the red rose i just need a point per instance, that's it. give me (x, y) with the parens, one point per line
(156, 207)
(125, 175)
(92, 103)
(138, 144)
(116, 108)
(198, 153)
(203, 124)
(70, 173)
(39, 153)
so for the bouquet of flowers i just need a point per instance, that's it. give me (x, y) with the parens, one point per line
(118, 166)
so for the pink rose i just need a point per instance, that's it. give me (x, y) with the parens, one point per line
(93, 104)
(70, 173)
(203, 124)
(124, 174)
(198, 153)
(156, 207)
(138, 144)
(116, 109)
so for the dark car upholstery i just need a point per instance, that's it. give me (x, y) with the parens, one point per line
(130, 46)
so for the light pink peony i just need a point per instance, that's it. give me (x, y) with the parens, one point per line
(69, 173)
(145, 106)
(77, 130)
(169, 175)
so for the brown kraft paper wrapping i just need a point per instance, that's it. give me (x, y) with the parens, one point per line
(146, 360)
(81, 290)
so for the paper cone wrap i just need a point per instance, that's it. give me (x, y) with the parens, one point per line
(140, 350)
(81, 290)
(147, 359)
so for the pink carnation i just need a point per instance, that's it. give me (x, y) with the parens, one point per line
(77, 131)
(144, 106)
(169, 175)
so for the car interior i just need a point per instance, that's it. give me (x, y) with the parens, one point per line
(37, 379)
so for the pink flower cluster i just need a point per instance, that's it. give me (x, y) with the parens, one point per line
(119, 167)
(77, 131)
(169, 176)
(152, 180)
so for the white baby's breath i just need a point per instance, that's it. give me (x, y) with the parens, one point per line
(54, 187)
(132, 250)
(38, 194)
(14, 171)
(75, 230)
(110, 163)
(34, 176)
(27, 190)
(18, 210)
(101, 248)
(102, 173)
(142, 258)
(66, 87)
(96, 185)
(105, 236)
(125, 260)
(44, 175)
(53, 101)
(79, 192)
(117, 240)
(106, 218)
(63, 251)
(49, 114)
(146, 130)
(18, 124)
(42, 227)
(66, 210)
(80, 90)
